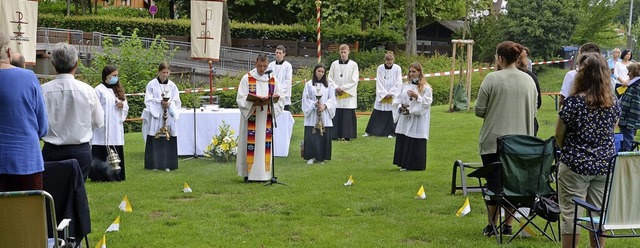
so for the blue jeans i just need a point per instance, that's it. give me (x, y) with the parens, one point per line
(628, 134)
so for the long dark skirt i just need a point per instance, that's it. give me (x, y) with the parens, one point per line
(410, 153)
(381, 124)
(100, 153)
(316, 146)
(345, 124)
(161, 153)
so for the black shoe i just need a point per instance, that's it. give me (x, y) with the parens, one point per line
(246, 179)
(506, 230)
(489, 231)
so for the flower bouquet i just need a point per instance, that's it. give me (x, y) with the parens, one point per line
(224, 145)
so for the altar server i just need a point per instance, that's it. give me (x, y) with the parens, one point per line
(114, 103)
(283, 72)
(318, 106)
(412, 115)
(344, 76)
(161, 93)
(388, 80)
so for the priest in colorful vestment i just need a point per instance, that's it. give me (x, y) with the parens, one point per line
(256, 91)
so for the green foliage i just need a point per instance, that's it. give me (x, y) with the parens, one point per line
(622, 10)
(486, 33)
(136, 63)
(596, 23)
(52, 7)
(153, 27)
(314, 209)
(542, 25)
(112, 25)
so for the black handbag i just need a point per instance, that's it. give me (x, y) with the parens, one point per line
(547, 208)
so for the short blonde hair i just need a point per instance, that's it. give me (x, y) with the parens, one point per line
(344, 47)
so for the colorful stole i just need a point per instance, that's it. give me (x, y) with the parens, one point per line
(251, 128)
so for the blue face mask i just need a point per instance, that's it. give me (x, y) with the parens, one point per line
(113, 80)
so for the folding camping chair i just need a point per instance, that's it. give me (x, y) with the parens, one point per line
(619, 211)
(23, 220)
(64, 181)
(525, 168)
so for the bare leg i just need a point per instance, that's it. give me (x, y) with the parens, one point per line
(592, 240)
(567, 241)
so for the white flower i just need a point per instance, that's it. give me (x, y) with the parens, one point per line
(226, 140)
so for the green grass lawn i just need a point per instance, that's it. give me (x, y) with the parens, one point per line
(314, 209)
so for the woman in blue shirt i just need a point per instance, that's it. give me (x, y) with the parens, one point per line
(23, 121)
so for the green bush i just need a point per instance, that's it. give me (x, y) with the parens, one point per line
(136, 66)
(181, 27)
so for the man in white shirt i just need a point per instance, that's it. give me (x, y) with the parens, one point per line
(567, 83)
(73, 110)
(283, 72)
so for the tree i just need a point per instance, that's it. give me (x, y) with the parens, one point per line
(136, 66)
(410, 28)
(225, 39)
(542, 25)
(597, 23)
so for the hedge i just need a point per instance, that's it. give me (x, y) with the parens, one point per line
(181, 27)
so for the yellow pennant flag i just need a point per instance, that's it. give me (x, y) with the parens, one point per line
(421, 194)
(125, 205)
(465, 209)
(350, 181)
(527, 231)
(186, 188)
(103, 242)
(115, 226)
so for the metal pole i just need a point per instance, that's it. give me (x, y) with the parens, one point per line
(629, 36)
(318, 3)
(380, 13)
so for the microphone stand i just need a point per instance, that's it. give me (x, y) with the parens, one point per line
(195, 151)
(274, 179)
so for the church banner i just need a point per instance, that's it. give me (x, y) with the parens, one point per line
(20, 22)
(206, 26)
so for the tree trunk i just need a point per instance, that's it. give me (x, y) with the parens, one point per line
(172, 13)
(410, 30)
(496, 7)
(225, 39)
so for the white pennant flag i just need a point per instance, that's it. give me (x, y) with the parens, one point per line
(102, 243)
(125, 205)
(421, 194)
(350, 181)
(465, 209)
(115, 226)
(186, 188)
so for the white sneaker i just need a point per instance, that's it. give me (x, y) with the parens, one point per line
(390, 136)
(365, 135)
(310, 161)
(403, 169)
(167, 170)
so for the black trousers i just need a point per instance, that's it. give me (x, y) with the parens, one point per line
(81, 152)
